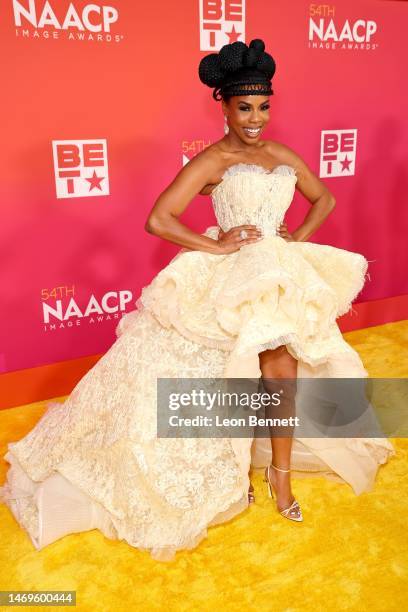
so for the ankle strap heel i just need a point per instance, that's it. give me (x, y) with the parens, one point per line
(293, 512)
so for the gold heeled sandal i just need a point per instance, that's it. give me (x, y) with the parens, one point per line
(292, 513)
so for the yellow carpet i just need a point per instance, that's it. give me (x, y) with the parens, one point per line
(350, 553)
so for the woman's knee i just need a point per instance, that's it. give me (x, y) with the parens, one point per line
(277, 363)
(279, 372)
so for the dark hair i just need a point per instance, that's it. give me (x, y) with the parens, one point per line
(238, 70)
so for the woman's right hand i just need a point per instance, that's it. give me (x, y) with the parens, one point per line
(231, 240)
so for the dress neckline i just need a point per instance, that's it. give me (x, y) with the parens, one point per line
(257, 166)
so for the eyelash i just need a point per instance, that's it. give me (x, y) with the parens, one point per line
(246, 108)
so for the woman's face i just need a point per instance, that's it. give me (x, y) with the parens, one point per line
(247, 116)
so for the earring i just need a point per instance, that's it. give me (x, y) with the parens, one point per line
(226, 128)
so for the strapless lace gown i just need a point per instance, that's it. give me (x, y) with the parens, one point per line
(95, 461)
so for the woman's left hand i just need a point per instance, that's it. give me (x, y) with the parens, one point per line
(283, 233)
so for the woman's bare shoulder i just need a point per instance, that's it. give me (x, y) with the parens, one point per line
(278, 150)
(285, 155)
(212, 156)
(211, 162)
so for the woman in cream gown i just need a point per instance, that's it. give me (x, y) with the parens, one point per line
(96, 461)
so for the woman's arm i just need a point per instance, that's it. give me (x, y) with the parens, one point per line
(314, 190)
(163, 218)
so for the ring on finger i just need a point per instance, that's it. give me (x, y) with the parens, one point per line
(243, 234)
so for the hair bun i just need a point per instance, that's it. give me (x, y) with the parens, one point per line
(215, 69)
(254, 53)
(231, 57)
(257, 44)
(267, 65)
(209, 70)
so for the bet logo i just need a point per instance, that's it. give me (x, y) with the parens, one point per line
(81, 168)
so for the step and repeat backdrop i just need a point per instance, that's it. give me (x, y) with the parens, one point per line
(101, 107)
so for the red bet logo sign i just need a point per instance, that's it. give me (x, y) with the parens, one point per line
(221, 22)
(338, 152)
(81, 168)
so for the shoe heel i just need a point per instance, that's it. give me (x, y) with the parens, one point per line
(266, 479)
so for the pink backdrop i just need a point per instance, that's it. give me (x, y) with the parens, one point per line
(125, 79)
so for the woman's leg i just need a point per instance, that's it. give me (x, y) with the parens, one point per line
(278, 364)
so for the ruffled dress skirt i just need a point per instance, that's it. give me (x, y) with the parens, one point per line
(95, 461)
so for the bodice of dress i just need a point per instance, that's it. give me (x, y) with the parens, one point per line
(251, 194)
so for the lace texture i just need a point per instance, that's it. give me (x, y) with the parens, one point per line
(254, 196)
(159, 494)
(95, 461)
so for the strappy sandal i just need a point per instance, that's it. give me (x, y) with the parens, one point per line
(293, 512)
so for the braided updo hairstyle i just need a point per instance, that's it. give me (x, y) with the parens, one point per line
(238, 70)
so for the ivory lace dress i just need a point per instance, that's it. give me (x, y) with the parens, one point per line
(95, 461)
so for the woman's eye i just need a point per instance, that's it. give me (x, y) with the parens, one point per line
(263, 108)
